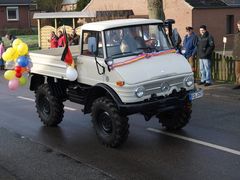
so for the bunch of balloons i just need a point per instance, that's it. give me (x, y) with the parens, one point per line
(17, 56)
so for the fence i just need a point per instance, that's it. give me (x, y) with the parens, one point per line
(223, 68)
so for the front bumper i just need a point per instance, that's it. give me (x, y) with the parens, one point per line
(160, 104)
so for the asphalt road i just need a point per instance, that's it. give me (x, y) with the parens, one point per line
(208, 148)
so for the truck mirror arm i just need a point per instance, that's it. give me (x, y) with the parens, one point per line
(109, 62)
(99, 65)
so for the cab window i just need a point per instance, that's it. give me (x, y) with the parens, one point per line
(85, 48)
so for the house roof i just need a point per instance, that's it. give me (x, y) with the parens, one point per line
(67, 2)
(207, 3)
(15, 2)
(53, 15)
(232, 2)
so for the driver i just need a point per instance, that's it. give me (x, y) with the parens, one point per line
(132, 41)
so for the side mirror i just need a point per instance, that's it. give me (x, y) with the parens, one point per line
(92, 45)
(169, 23)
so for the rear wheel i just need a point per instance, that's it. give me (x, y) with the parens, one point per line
(111, 128)
(49, 108)
(178, 118)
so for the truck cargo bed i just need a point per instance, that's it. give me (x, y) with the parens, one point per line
(48, 61)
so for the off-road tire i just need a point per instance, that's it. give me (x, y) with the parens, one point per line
(49, 108)
(178, 118)
(111, 128)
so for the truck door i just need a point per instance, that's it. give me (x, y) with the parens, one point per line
(86, 64)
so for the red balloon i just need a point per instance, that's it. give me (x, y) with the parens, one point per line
(18, 74)
(18, 69)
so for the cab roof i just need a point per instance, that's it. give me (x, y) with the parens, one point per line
(103, 25)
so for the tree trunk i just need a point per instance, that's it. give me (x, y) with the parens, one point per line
(155, 9)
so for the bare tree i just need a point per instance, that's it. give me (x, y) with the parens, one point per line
(155, 9)
(49, 5)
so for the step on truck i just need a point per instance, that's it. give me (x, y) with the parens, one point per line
(123, 67)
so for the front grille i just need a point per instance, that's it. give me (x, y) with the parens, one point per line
(153, 88)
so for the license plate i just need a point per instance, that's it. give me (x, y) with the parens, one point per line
(196, 94)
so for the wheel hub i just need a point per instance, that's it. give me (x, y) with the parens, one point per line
(105, 122)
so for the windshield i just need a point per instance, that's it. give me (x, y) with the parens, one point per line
(134, 40)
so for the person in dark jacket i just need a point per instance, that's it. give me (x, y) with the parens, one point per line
(74, 38)
(236, 55)
(205, 48)
(189, 45)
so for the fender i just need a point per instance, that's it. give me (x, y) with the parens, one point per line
(100, 90)
(36, 80)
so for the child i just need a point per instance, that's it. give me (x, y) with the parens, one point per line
(1, 52)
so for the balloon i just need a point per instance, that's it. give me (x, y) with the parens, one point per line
(22, 49)
(11, 51)
(6, 57)
(18, 74)
(9, 74)
(30, 65)
(23, 61)
(23, 69)
(13, 84)
(22, 81)
(18, 68)
(10, 65)
(15, 55)
(15, 43)
(71, 73)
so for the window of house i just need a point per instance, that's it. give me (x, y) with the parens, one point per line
(12, 14)
(230, 24)
(98, 38)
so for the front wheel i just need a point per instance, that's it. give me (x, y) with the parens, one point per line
(111, 128)
(178, 118)
(49, 108)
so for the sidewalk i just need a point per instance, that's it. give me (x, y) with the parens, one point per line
(221, 90)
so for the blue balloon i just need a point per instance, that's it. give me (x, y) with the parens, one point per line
(23, 61)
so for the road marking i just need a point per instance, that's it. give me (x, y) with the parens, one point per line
(24, 98)
(215, 146)
(29, 99)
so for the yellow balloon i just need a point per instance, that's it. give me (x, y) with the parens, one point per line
(11, 51)
(15, 55)
(9, 74)
(6, 57)
(22, 49)
(16, 42)
(22, 81)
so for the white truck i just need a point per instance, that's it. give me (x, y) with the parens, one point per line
(124, 67)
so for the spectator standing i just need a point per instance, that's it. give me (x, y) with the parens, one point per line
(2, 49)
(53, 40)
(205, 48)
(74, 38)
(189, 46)
(61, 39)
(10, 37)
(236, 55)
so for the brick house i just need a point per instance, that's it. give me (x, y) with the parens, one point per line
(220, 16)
(15, 14)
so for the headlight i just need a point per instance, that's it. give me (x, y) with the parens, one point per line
(165, 87)
(189, 81)
(140, 92)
